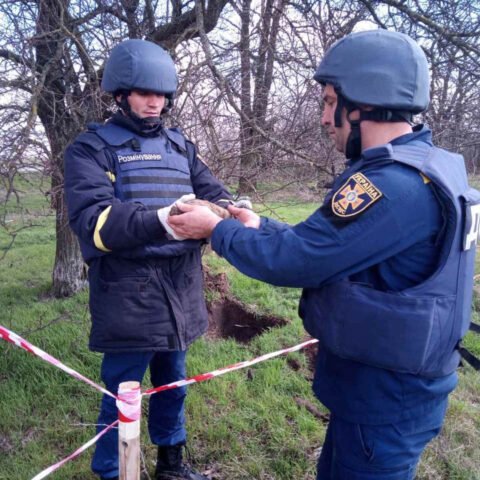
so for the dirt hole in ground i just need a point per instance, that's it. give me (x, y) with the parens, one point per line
(229, 318)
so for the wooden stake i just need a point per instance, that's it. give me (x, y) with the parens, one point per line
(130, 406)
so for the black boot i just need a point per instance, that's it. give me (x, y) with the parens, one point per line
(170, 465)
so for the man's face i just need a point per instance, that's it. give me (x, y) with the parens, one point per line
(146, 104)
(338, 134)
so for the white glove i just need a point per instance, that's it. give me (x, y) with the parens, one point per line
(186, 198)
(243, 202)
(164, 213)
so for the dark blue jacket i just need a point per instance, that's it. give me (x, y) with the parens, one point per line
(390, 238)
(146, 291)
(417, 329)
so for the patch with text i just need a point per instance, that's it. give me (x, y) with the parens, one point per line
(355, 196)
(138, 157)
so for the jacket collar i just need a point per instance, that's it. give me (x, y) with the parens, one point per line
(421, 133)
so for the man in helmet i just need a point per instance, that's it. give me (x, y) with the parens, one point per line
(386, 263)
(146, 285)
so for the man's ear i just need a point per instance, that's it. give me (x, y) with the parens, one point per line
(355, 114)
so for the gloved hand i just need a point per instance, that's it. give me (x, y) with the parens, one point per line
(164, 213)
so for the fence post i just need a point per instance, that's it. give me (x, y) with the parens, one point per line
(129, 406)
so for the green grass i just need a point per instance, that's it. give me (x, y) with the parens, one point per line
(243, 425)
(288, 211)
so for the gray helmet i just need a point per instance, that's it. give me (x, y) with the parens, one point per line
(140, 65)
(378, 68)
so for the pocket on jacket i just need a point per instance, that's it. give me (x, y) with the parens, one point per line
(382, 329)
(125, 284)
(125, 311)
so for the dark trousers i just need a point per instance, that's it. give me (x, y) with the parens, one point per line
(353, 451)
(166, 417)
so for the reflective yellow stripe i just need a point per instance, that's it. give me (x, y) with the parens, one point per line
(102, 218)
(425, 178)
(111, 176)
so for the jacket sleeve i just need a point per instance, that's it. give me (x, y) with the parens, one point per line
(95, 215)
(319, 250)
(205, 185)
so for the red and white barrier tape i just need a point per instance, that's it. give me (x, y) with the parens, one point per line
(75, 454)
(130, 404)
(231, 368)
(20, 342)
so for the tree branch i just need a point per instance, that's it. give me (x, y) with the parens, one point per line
(451, 36)
(224, 85)
(13, 57)
(184, 26)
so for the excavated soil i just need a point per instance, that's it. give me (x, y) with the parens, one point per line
(311, 354)
(229, 318)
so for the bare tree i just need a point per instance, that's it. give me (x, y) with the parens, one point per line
(449, 33)
(259, 66)
(264, 70)
(53, 51)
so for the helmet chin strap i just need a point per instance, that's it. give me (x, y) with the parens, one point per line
(168, 104)
(146, 124)
(353, 147)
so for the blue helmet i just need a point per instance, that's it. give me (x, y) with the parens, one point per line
(140, 65)
(378, 68)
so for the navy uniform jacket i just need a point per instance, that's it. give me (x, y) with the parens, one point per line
(392, 245)
(146, 293)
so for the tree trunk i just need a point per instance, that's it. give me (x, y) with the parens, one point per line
(69, 272)
(61, 126)
(252, 143)
(247, 182)
(250, 161)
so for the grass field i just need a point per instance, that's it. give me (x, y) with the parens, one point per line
(244, 425)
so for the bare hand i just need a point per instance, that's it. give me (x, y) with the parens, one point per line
(196, 222)
(248, 217)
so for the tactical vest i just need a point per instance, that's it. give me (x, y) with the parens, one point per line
(416, 330)
(152, 171)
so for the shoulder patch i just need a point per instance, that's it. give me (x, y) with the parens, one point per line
(354, 196)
